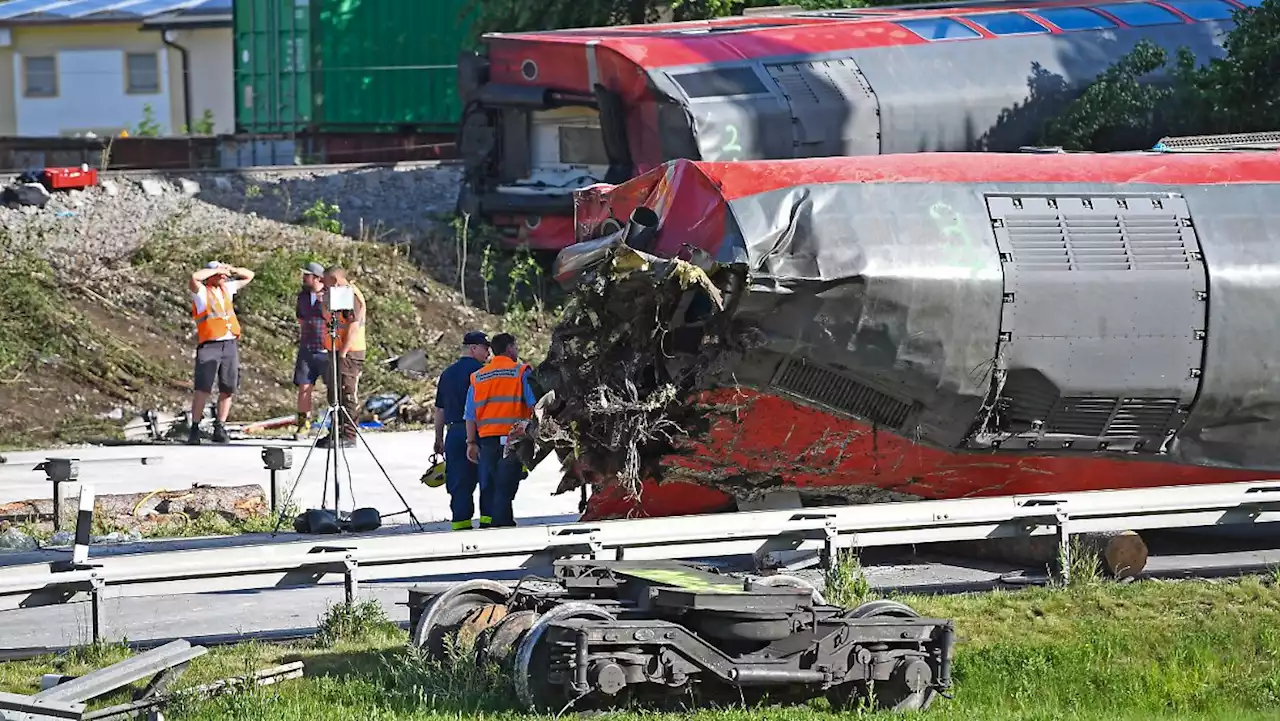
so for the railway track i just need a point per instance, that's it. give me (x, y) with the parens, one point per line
(281, 171)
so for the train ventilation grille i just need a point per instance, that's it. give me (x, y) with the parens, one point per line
(1112, 417)
(842, 393)
(1043, 237)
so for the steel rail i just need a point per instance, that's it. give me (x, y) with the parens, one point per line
(282, 171)
(350, 560)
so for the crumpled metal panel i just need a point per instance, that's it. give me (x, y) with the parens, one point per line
(900, 287)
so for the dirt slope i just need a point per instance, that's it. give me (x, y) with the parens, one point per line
(94, 315)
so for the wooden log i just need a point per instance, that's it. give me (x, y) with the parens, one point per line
(130, 508)
(1121, 554)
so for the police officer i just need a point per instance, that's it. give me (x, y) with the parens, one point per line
(500, 397)
(461, 474)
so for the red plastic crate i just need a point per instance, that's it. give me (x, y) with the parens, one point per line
(65, 178)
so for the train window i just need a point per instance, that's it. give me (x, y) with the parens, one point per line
(1202, 9)
(938, 29)
(1007, 24)
(719, 83)
(1140, 14)
(1074, 18)
(1250, 3)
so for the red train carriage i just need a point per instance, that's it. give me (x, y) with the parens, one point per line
(944, 325)
(550, 112)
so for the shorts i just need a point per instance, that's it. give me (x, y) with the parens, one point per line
(218, 362)
(310, 366)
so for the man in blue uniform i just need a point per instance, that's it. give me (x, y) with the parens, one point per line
(461, 475)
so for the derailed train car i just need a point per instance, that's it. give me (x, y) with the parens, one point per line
(934, 325)
(546, 113)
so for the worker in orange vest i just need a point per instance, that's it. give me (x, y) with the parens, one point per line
(217, 342)
(351, 347)
(500, 397)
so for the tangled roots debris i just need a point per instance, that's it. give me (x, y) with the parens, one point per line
(637, 335)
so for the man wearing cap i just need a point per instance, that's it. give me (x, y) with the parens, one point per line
(350, 349)
(312, 361)
(217, 348)
(500, 397)
(461, 474)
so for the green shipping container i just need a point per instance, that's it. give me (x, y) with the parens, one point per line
(348, 65)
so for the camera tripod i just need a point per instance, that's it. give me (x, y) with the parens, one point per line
(359, 519)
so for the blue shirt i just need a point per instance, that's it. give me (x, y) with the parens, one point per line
(529, 398)
(453, 390)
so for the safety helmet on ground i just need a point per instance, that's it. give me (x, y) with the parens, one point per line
(434, 476)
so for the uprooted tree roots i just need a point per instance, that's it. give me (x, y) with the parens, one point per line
(637, 336)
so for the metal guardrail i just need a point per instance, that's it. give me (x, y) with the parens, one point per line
(351, 560)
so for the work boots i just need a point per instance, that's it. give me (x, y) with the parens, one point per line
(220, 433)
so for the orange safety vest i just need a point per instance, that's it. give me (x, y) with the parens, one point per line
(218, 318)
(498, 390)
(346, 320)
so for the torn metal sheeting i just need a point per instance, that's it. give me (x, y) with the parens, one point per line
(931, 325)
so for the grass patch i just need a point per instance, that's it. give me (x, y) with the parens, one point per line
(1145, 650)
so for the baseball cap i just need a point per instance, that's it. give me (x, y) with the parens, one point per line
(313, 268)
(475, 337)
(212, 264)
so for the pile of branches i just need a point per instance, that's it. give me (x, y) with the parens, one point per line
(620, 367)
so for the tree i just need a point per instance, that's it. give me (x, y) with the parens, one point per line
(1238, 93)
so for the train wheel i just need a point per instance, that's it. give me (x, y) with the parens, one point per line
(444, 617)
(497, 643)
(909, 688)
(533, 658)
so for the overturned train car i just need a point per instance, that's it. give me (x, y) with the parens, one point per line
(918, 326)
(547, 113)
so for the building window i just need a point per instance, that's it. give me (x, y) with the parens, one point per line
(143, 71)
(39, 77)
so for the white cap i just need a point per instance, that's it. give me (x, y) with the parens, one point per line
(213, 264)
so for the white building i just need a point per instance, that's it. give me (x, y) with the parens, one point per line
(69, 67)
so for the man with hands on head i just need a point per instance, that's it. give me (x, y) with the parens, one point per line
(213, 289)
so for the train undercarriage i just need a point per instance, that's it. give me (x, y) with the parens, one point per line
(605, 634)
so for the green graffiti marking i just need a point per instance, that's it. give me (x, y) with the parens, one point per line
(961, 248)
(731, 150)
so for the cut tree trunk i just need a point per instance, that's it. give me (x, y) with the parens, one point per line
(1121, 554)
(129, 509)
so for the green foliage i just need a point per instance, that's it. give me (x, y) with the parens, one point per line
(203, 126)
(148, 127)
(846, 583)
(322, 215)
(1125, 109)
(353, 622)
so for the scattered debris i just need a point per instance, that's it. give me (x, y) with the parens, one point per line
(132, 510)
(638, 333)
(15, 540)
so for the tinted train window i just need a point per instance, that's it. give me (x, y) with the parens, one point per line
(1007, 24)
(1140, 14)
(718, 83)
(1075, 18)
(1202, 9)
(938, 29)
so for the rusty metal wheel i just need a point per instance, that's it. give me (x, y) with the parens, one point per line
(496, 644)
(444, 616)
